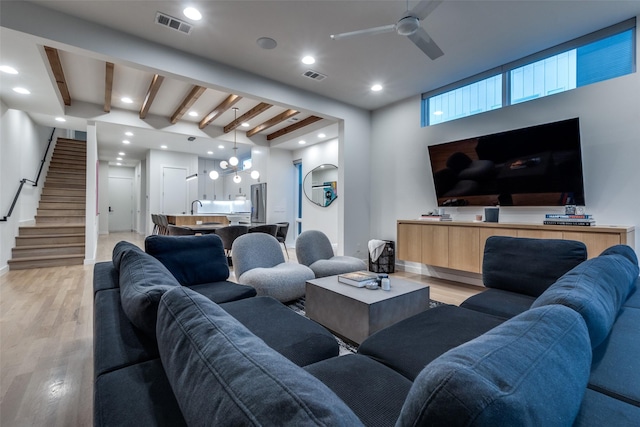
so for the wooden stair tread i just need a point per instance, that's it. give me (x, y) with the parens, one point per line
(47, 257)
(60, 245)
(40, 236)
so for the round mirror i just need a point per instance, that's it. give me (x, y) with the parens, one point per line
(321, 185)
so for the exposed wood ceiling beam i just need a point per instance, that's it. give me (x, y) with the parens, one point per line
(108, 86)
(272, 122)
(187, 102)
(58, 73)
(302, 123)
(229, 102)
(260, 108)
(154, 87)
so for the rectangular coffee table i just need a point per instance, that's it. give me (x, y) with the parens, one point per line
(355, 313)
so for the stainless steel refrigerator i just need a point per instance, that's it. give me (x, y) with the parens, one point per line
(259, 202)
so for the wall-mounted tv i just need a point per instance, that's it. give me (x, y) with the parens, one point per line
(534, 166)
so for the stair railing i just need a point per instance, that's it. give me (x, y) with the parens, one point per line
(24, 180)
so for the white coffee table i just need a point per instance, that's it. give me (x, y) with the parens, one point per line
(355, 313)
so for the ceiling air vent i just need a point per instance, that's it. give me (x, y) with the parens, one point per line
(173, 23)
(314, 75)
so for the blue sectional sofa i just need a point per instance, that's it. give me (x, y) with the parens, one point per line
(567, 355)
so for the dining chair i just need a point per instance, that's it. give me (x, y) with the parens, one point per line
(228, 234)
(264, 228)
(281, 235)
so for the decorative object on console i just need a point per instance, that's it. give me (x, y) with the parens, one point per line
(492, 214)
(584, 220)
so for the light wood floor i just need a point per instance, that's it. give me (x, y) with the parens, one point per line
(46, 339)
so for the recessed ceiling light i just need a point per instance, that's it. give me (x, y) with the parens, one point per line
(121, 153)
(221, 147)
(118, 158)
(21, 90)
(308, 60)
(267, 43)
(209, 152)
(192, 13)
(126, 141)
(376, 87)
(321, 135)
(193, 114)
(302, 142)
(8, 69)
(60, 119)
(245, 125)
(119, 164)
(127, 100)
(164, 147)
(129, 133)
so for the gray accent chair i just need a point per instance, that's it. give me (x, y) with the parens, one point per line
(314, 250)
(258, 262)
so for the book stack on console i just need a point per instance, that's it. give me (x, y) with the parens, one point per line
(359, 279)
(569, 219)
(436, 217)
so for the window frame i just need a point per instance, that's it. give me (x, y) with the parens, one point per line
(505, 70)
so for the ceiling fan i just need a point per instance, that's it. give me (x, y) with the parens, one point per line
(408, 25)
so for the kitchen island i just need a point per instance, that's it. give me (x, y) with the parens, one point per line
(186, 219)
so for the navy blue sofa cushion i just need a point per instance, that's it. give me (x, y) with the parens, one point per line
(297, 338)
(596, 289)
(408, 346)
(120, 249)
(193, 260)
(528, 266)
(224, 291)
(616, 363)
(135, 396)
(374, 392)
(143, 280)
(105, 276)
(227, 376)
(531, 370)
(116, 342)
(496, 302)
(600, 410)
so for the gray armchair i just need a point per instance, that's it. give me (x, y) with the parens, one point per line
(314, 250)
(258, 262)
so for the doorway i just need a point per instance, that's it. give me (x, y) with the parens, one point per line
(174, 190)
(120, 204)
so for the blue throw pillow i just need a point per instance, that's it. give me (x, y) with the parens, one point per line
(143, 280)
(531, 370)
(222, 374)
(193, 260)
(596, 289)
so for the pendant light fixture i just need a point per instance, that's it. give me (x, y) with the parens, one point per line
(233, 162)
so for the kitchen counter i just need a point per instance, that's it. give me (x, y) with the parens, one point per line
(186, 219)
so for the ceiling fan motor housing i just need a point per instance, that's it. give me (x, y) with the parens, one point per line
(407, 25)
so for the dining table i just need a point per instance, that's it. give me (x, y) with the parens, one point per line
(203, 228)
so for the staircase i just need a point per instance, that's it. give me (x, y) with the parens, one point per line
(57, 238)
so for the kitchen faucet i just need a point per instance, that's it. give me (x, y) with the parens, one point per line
(193, 203)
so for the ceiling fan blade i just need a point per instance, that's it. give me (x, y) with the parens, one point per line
(368, 31)
(421, 39)
(424, 8)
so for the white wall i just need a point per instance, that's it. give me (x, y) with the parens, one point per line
(156, 160)
(609, 112)
(92, 226)
(103, 197)
(316, 217)
(22, 145)
(281, 187)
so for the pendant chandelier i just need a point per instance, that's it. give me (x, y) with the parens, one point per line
(232, 164)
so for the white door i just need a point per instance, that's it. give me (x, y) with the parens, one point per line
(174, 190)
(120, 204)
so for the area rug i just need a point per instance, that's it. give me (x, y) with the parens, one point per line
(345, 347)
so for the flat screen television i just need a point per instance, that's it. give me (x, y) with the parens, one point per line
(534, 166)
